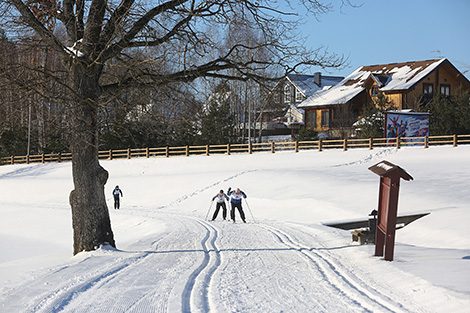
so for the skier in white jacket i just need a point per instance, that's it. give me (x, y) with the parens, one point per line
(236, 202)
(221, 196)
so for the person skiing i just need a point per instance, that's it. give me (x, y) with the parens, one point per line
(236, 202)
(116, 193)
(221, 196)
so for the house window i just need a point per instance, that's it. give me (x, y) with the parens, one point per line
(312, 118)
(298, 96)
(374, 91)
(428, 92)
(325, 118)
(445, 90)
(428, 89)
(287, 93)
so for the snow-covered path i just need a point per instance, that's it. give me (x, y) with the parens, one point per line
(170, 259)
(200, 266)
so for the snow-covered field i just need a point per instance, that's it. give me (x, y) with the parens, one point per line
(170, 259)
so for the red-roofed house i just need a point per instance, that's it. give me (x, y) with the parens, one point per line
(408, 85)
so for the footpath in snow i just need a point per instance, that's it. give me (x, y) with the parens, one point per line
(170, 259)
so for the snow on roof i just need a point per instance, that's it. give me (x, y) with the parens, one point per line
(306, 83)
(295, 108)
(404, 75)
(390, 77)
(347, 89)
(408, 112)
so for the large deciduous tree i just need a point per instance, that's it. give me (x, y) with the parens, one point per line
(174, 41)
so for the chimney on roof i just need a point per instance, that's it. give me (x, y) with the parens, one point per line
(317, 78)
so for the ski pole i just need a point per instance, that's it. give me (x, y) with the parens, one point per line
(209, 210)
(249, 209)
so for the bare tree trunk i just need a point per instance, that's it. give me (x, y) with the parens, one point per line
(90, 216)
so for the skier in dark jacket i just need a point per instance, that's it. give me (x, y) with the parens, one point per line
(116, 193)
(236, 202)
(221, 196)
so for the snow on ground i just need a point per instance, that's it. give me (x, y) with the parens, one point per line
(170, 259)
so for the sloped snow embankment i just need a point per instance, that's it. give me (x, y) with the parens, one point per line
(169, 259)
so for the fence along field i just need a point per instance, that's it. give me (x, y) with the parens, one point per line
(248, 148)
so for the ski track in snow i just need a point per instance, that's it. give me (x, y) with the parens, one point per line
(72, 293)
(352, 287)
(80, 292)
(177, 271)
(374, 156)
(64, 294)
(197, 299)
(196, 192)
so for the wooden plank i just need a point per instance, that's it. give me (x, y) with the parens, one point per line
(358, 145)
(440, 142)
(354, 224)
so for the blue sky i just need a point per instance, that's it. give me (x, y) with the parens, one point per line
(387, 31)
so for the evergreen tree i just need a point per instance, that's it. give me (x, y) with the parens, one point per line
(13, 141)
(217, 123)
(306, 133)
(372, 123)
(450, 115)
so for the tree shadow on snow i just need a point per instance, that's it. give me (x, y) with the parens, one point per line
(30, 171)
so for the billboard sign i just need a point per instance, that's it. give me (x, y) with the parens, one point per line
(406, 124)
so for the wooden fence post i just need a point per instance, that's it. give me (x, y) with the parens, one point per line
(59, 158)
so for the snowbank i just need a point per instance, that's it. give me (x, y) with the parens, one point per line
(304, 189)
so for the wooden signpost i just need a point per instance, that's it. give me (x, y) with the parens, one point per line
(390, 175)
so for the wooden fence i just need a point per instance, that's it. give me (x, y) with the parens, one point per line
(248, 148)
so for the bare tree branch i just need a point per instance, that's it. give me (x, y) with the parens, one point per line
(93, 27)
(138, 26)
(116, 18)
(38, 27)
(69, 20)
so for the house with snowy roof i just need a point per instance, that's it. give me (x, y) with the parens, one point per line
(295, 88)
(284, 116)
(408, 85)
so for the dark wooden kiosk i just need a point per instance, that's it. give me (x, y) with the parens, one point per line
(390, 175)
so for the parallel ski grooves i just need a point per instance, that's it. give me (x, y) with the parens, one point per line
(189, 297)
(330, 271)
